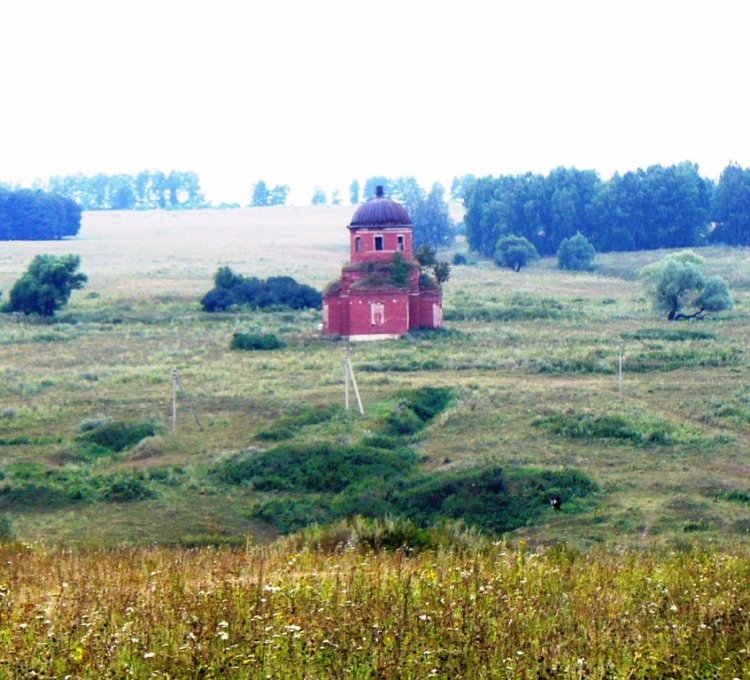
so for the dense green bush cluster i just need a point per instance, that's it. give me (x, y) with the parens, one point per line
(35, 486)
(590, 426)
(256, 341)
(317, 467)
(323, 482)
(415, 410)
(116, 435)
(234, 290)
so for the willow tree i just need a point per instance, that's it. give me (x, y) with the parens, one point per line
(679, 289)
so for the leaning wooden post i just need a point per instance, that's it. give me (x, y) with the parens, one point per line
(346, 379)
(619, 372)
(174, 400)
(350, 371)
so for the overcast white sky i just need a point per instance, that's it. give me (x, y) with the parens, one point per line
(320, 92)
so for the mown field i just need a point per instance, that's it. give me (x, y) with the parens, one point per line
(467, 432)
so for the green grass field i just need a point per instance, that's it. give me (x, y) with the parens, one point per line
(146, 553)
(530, 358)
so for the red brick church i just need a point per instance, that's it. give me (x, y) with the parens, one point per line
(381, 293)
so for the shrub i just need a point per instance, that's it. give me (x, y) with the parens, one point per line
(116, 436)
(400, 271)
(402, 422)
(416, 408)
(487, 498)
(317, 467)
(292, 514)
(232, 289)
(41, 494)
(459, 259)
(7, 528)
(256, 341)
(588, 426)
(126, 489)
(576, 254)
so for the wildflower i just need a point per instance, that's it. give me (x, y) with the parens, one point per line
(222, 635)
(149, 655)
(673, 608)
(222, 624)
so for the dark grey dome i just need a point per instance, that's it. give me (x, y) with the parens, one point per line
(380, 212)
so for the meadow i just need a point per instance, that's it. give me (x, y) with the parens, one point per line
(528, 357)
(653, 470)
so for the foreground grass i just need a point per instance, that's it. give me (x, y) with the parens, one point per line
(286, 611)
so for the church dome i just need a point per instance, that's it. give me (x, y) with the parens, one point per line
(380, 212)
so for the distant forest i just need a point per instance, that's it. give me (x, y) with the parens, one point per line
(660, 207)
(32, 215)
(147, 190)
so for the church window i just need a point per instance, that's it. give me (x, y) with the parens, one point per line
(377, 313)
(378, 243)
(400, 244)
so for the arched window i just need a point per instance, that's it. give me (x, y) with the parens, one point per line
(377, 313)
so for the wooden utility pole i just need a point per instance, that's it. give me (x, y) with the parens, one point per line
(174, 400)
(177, 385)
(349, 375)
(619, 372)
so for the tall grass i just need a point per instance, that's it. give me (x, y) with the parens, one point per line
(491, 612)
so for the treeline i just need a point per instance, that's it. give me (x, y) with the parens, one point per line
(660, 207)
(144, 191)
(33, 215)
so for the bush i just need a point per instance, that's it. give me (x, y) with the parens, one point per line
(291, 514)
(233, 289)
(116, 436)
(487, 498)
(7, 529)
(576, 254)
(256, 341)
(589, 426)
(317, 467)
(127, 489)
(415, 410)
